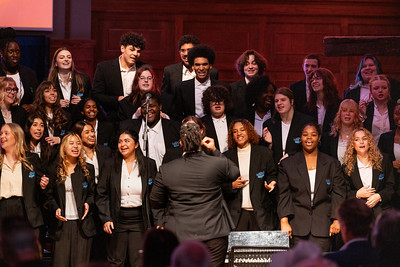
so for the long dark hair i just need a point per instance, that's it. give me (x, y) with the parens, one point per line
(59, 119)
(45, 150)
(331, 95)
(78, 129)
(138, 152)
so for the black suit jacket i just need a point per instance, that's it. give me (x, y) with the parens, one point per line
(170, 130)
(386, 143)
(29, 81)
(190, 190)
(18, 116)
(330, 115)
(262, 169)
(106, 134)
(185, 97)
(83, 192)
(300, 96)
(239, 97)
(107, 85)
(103, 155)
(75, 109)
(294, 199)
(370, 115)
(383, 182)
(329, 144)
(173, 76)
(210, 129)
(31, 191)
(357, 253)
(293, 140)
(109, 191)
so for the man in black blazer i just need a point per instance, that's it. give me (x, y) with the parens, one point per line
(159, 129)
(300, 88)
(113, 79)
(355, 220)
(188, 94)
(191, 189)
(182, 71)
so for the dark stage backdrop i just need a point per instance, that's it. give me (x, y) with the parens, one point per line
(283, 31)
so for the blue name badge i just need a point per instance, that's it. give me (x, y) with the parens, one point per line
(85, 184)
(62, 132)
(260, 174)
(150, 181)
(79, 94)
(31, 174)
(297, 140)
(175, 144)
(328, 182)
(381, 176)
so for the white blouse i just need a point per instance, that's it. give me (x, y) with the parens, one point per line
(131, 186)
(71, 211)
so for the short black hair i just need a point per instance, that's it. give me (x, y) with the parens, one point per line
(7, 35)
(153, 95)
(313, 124)
(201, 51)
(313, 56)
(134, 39)
(188, 39)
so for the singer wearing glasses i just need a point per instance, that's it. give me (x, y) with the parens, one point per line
(10, 111)
(144, 82)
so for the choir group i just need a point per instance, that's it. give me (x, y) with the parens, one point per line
(79, 160)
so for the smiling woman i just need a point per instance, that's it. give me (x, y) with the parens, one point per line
(71, 85)
(10, 111)
(319, 188)
(47, 105)
(20, 178)
(69, 199)
(251, 198)
(144, 81)
(123, 200)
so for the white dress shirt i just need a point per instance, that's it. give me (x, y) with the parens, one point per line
(66, 88)
(380, 124)
(221, 128)
(95, 164)
(365, 173)
(311, 177)
(186, 74)
(258, 122)
(156, 142)
(321, 110)
(131, 186)
(365, 93)
(396, 151)
(127, 76)
(285, 132)
(71, 211)
(244, 168)
(341, 150)
(199, 88)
